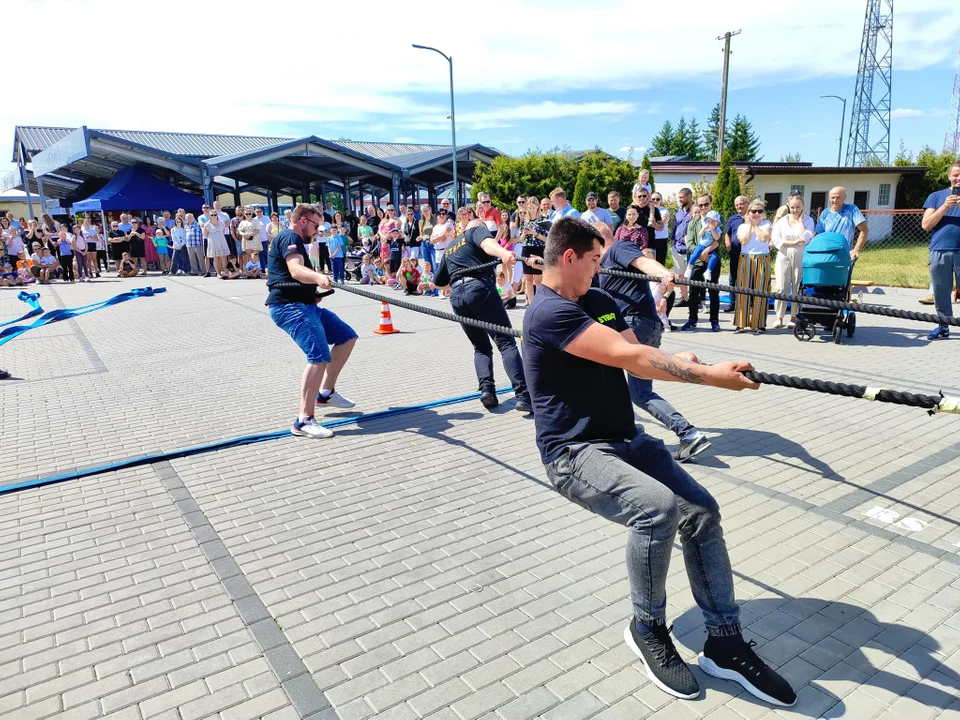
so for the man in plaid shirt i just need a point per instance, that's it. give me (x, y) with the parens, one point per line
(195, 245)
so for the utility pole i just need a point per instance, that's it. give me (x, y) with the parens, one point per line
(723, 90)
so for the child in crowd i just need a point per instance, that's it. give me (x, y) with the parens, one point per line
(8, 277)
(48, 266)
(379, 276)
(126, 267)
(27, 278)
(160, 241)
(426, 286)
(367, 271)
(408, 278)
(313, 249)
(507, 294)
(251, 270)
(709, 234)
(232, 271)
(337, 245)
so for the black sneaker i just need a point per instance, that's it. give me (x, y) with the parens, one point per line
(488, 398)
(523, 406)
(691, 446)
(664, 666)
(742, 665)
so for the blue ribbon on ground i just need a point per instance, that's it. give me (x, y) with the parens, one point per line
(9, 333)
(31, 299)
(231, 443)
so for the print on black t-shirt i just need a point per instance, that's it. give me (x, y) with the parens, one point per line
(464, 254)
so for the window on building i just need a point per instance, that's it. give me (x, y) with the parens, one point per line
(773, 201)
(818, 201)
(883, 197)
(798, 189)
(861, 198)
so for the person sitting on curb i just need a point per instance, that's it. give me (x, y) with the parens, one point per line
(126, 267)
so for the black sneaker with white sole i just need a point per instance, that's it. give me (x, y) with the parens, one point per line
(742, 665)
(664, 666)
(488, 398)
(691, 446)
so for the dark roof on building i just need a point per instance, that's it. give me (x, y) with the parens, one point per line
(780, 168)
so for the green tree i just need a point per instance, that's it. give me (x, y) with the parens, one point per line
(904, 157)
(790, 158)
(722, 200)
(710, 135)
(913, 190)
(662, 142)
(695, 149)
(535, 173)
(335, 199)
(600, 173)
(681, 138)
(646, 165)
(743, 144)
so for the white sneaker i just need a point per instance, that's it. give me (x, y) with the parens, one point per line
(310, 428)
(335, 400)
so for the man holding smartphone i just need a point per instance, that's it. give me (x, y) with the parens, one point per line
(941, 218)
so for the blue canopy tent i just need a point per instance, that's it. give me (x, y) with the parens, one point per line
(134, 188)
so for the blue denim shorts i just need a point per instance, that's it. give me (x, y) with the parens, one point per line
(312, 328)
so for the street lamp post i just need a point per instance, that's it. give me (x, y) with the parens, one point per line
(843, 117)
(453, 122)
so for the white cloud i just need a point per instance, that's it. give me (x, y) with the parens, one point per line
(902, 113)
(268, 81)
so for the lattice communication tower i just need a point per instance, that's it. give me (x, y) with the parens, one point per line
(951, 139)
(874, 79)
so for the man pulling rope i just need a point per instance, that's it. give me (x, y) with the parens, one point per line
(576, 346)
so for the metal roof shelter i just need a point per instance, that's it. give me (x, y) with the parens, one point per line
(62, 159)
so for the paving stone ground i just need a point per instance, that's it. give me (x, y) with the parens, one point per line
(419, 565)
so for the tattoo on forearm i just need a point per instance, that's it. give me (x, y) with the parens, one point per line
(670, 366)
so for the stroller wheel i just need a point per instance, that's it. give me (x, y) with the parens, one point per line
(837, 331)
(804, 331)
(851, 324)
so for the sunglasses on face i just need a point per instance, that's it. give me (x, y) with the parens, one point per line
(756, 212)
(703, 205)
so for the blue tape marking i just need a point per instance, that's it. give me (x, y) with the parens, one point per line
(9, 333)
(31, 299)
(231, 443)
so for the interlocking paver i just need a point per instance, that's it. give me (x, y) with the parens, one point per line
(455, 570)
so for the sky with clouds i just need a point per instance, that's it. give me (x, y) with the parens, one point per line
(528, 73)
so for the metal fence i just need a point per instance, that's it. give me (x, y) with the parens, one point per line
(897, 250)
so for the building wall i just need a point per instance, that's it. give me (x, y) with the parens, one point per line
(19, 208)
(668, 184)
(249, 198)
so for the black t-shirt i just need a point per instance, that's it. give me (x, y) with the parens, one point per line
(620, 212)
(464, 254)
(632, 296)
(644, 221)
(284, 244)
(396, 246)
(574, 400)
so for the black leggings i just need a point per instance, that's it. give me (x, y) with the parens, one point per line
(66, 262)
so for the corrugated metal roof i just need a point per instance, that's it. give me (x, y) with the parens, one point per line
(37, 138)
(383, 151)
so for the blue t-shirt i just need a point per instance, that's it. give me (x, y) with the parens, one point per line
(632, 296)
(568, 210)
(733, 224)
(843, 221)
(574, 400)
(284, 244)
(336, 244)
(126, 227)
(946, 235)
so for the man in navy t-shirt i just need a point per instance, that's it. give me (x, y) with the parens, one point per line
(576, 347)
(941, 217)
(635, 303)
(295, 310)
(474, 294)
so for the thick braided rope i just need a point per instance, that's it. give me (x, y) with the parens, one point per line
(802, 299)
(931, 403)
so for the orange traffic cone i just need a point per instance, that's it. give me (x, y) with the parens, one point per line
(386, 322)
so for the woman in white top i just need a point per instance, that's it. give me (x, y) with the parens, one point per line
(661, 238)
(754, 269)
(790, 236)
(91, 236)
(217, 247)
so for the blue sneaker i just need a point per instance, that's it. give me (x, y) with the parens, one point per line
(688, 325)
(941, 333)
(714, 327)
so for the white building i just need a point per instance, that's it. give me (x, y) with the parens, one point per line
(869, 188)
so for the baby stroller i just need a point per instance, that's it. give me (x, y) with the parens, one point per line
(352, 265)
(827, 270)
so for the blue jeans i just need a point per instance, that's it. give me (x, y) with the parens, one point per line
(312, 328)
(180, 261)
(639, 485)
(263, 255)
(478, 299)
(944, 267)
(336, 264)
(648, 332)
(427, 254)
